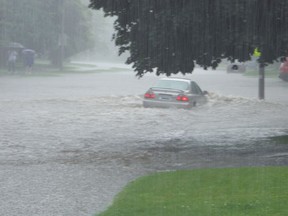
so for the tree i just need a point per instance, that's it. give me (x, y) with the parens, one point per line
(38, 25)
(172, 36)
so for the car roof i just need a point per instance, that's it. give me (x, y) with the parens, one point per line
(176, 79)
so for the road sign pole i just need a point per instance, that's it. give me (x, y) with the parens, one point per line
(261, 81)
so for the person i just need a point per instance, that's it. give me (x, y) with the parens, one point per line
(12, 61)
(29, 56)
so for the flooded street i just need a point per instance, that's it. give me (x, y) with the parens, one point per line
(69, 143)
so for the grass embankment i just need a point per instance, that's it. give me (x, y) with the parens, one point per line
(207, 192)
(44, 68)
(271, 71)
(246, 191)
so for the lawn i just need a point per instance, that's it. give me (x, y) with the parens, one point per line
(271, 71)
(247, 191)
(44, 68)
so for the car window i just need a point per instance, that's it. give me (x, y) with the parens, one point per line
(199, 89)
(173, 84)
(195, 88)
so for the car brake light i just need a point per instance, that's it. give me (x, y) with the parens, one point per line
(149, 95)
(182, 98)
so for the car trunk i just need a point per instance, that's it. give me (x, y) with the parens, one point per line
(166, 94)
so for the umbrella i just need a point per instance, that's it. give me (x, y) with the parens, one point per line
(15, 45)
(28, 51)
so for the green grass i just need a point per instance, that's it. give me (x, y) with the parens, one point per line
(271, 71)
(43, 68)
(259, 191)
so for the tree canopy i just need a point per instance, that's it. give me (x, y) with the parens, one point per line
(172, 36)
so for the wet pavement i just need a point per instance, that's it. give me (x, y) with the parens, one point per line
(69, 143)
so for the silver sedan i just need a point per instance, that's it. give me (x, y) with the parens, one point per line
(174, 92)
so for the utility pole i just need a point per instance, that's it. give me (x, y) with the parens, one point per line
(261, 81)
(61, 37)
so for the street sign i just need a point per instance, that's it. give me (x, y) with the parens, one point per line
(256, 53)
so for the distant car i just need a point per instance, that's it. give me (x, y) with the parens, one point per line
(236, 67)
(174, 92)
(284, 70)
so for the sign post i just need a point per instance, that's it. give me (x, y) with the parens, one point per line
(261, 83)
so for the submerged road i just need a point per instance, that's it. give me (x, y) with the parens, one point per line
(70, 143)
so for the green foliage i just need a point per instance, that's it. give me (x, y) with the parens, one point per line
(173, 36)
(207, 192)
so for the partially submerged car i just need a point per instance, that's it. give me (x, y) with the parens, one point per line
(174, 92)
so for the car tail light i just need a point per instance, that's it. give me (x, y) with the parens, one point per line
(182, 98)
(149, 95)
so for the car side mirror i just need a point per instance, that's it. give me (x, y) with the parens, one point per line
(205, 93)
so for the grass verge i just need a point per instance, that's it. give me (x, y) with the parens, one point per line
(43, 68)
(206, 192)
(271, 71)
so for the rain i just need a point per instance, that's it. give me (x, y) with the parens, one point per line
(73, 129)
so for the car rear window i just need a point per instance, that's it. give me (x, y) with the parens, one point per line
(172, 84)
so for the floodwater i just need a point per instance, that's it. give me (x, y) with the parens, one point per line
(69, 143)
